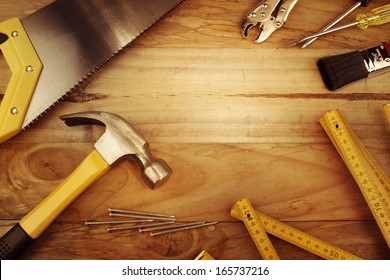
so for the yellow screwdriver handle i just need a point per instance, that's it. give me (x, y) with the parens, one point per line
(377, 16)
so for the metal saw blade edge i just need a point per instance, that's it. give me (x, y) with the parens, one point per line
(73, 48)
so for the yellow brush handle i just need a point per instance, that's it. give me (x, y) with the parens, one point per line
(26, 68)
(38, 219)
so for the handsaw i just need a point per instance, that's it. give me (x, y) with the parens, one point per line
(53, 50)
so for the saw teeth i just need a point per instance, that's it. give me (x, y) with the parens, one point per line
(84, 81)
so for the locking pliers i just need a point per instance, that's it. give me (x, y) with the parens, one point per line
(270, 15)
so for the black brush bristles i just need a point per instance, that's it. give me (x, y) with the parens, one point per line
(340, 70)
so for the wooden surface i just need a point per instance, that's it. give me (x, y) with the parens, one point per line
(231, 117)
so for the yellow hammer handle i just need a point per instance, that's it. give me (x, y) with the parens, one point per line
(38, 219)
(26, 68)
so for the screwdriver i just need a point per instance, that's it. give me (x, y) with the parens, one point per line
(361, 3)
(377, 16)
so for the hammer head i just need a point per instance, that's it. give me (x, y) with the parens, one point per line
(121, 139)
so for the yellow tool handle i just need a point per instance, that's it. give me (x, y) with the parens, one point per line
(371, 180)
(204, 256)
(246, 214)
(299, 238)
(38, 219)
(26, 68)
(387, 110)
(377, 16)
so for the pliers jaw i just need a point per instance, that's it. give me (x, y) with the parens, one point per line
(270, 15)
(247, 24)
(264, 30)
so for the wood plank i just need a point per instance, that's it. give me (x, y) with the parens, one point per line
(245, 66)
(217, 24)
(231, 117)
(225, 241)
(213, 119)
(293, 182)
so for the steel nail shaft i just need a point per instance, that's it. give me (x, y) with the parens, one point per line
(182, 228)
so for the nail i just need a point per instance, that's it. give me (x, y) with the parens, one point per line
(170, 226)
(137, 226)
(141, 217)
(116, 222)
(141, 213)
(182, 228)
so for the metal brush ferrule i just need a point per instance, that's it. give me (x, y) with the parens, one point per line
(377, 59)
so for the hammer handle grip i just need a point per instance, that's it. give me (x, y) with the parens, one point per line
(14, 243)
(38, 219)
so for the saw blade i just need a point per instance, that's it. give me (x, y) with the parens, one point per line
(73, 38)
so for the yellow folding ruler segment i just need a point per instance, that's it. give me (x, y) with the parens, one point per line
(204, 256)
(246, 214)
(297, 237)
(372, 181)
(387, 110)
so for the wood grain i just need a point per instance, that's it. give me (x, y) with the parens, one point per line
(231, 117)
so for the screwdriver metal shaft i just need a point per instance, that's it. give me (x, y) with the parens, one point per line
(324, 33)
(334, 22)
(377, 16)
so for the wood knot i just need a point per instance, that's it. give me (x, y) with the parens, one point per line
(53, 163)
(299, 207)
(79, 96)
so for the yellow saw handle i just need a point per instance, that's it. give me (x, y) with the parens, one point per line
(26, 68)
(38, 219)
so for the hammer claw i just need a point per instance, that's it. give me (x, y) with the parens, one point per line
(120, 140)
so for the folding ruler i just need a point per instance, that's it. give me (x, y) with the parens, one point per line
(387, 110)
(372, 181)
(258, 223)
(204, 256)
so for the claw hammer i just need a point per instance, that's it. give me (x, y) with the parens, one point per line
(119, 140)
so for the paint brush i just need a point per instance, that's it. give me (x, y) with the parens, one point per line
(340, 70)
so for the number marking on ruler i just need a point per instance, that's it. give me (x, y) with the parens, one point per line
(299, 238)
(373, 183)
(255, 228)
